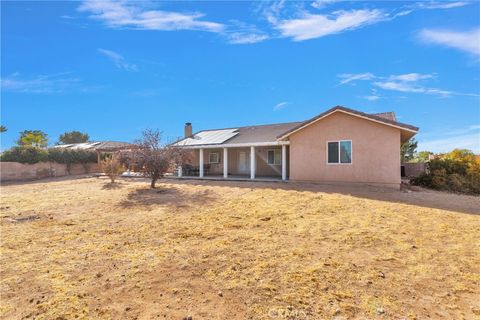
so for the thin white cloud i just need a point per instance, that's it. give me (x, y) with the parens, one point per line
(121, 14)
(311, 26)
(372, 97)
(350, 77)
(280, 106)
(307, 25)
(55, 83)
(467, 41)
(408, 82)
(118, 60)
(440, 4)
(411, 77)
(245, 38)
(320, 4)
(411, 87)
(397, 86)
(242, 33)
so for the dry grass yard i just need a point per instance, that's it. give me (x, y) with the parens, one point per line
(79, 248)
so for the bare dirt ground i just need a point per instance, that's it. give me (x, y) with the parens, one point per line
(81, 248)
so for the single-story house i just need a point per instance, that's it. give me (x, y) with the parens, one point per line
(338, 145)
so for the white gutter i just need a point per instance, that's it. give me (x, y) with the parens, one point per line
(235, 145)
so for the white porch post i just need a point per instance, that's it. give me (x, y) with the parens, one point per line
(284, 162)
(180, 171)
(252, 162)
(201, 163)
(225, 163)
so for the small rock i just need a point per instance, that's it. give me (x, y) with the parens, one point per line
(380, 311)
(98, 275)
(187, 318)
(220, 293)
(381, 274)
(128, 309)
(414, 247)
(265, 218)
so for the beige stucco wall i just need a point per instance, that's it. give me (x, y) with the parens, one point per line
(14, 171)
(375, 152)
(262, 166)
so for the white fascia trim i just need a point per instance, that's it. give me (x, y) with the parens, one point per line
(353, 114)
(236, 145)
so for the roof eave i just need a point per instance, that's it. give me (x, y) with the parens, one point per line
(327, 113)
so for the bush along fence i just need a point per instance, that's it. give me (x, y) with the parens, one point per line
(451, 175)
(24, 163)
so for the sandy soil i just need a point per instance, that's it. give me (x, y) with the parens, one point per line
(82, 248)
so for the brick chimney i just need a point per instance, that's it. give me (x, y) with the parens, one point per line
(188, 130)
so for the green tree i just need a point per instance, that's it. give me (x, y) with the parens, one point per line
(3, 128)
(33, 138)
(422, 156)
(408, 149)
(73, 137)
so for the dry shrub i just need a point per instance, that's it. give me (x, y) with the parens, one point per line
(112, 168)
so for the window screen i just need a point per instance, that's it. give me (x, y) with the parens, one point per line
(214, 157)
(274, 157)
(345, 151)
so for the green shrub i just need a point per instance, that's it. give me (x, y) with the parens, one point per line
(25, 154)
(451, 174)
(473, 178)
(439, 178)
(425, 179)
(457, 183)
(28, 154)
(67, 156)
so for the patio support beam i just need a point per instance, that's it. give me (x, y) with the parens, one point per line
(201, 163)
(252, 162)
(225, 163)
(284, 162)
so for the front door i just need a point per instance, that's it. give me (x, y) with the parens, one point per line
(243, 162)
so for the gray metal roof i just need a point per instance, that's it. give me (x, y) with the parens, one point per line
(262, 133)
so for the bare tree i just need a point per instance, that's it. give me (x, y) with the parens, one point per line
(153, 158)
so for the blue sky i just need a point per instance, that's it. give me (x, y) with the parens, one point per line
(113, 69)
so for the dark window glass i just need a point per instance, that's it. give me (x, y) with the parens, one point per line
(346, 151)
(271, 157)
(333, 152)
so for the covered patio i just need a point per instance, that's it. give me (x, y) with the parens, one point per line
(267, 162)
(244, 153)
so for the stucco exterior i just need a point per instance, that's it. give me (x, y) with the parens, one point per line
(375, 152)
(14, 171)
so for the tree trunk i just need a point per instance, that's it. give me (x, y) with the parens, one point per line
(152, 184)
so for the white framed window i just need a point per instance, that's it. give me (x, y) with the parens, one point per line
(213, 157)
(339, 152)
(274, 157)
